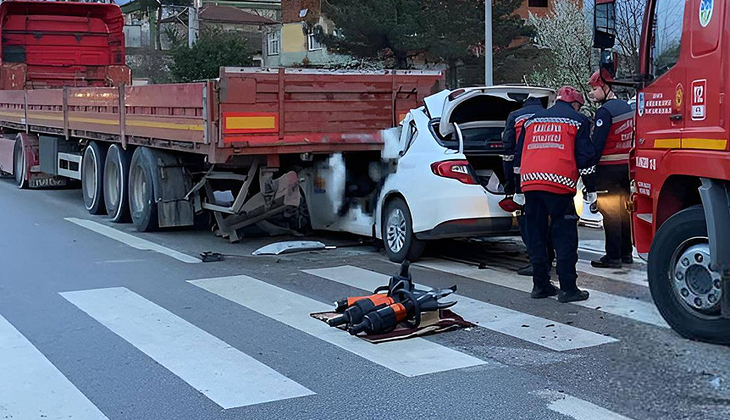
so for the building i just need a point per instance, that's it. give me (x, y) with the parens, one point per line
(249, 17)
(296, 41)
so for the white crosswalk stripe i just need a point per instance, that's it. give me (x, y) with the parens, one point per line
(411, 357)
(31, 387)
(634, 309)
(577, 408)
(631, 276)
(222, 373)
(541, 331)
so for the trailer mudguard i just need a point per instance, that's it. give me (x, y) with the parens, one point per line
(172, 182)
(716, 205)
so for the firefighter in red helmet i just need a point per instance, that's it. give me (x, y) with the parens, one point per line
(613, 134)
(510, 135)
(553, 150)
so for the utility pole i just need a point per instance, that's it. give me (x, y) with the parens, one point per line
(194, 22)
(488, 79)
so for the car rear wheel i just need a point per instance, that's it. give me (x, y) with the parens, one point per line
(685, 289)
(398, 237)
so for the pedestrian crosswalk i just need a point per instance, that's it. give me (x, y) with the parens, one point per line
(31, 387)
(221, 372)
(409, 357)
(633, 309)
(231, 378)
(544, 332)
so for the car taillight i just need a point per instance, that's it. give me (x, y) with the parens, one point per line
(455, 169)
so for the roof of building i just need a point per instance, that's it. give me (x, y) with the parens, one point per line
(228, 14)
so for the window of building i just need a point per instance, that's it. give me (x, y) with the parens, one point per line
(666, 35)
(312, 43)
(274, 43)
(537, 3)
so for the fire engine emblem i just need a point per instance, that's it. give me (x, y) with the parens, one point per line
(706, 7)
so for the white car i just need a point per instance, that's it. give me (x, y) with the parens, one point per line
(449, 176)
(439, 176)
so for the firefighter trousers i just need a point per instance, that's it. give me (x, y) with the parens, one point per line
(612, 183)
(549, 213)
(524, 232)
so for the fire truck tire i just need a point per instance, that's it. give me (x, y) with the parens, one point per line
(686, 232)
(398, 238)
(142, 205)
(92, 177)
(116, 183)
(19, 165)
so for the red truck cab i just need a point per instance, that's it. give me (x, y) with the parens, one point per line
(681, 163)
(55, 44)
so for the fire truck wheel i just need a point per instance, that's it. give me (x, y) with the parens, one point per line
(684, 288)
(19, 165)
(92, 174)
(398, 237)
(141, 190)
(116, 183)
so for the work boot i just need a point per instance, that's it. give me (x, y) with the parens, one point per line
(525, 271)
(572, 296)
(628, 259)
(542, 293)
(605, 262)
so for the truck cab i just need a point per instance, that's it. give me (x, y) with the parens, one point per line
(681, 165)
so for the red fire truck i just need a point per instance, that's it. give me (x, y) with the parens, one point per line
(236, 147)
(681, 164)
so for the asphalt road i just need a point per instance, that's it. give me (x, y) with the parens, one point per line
(98, 321)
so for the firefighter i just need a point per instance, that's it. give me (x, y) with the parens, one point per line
(512, 130)
(613, 130)
(555, 148)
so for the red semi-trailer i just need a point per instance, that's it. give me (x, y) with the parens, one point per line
(236, 146)
(681, 162)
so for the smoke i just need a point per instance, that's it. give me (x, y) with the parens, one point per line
(336, 182)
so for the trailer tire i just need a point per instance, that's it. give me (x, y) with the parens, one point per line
(685, 232)
(92, 177)
(19, 165)
(116, 183)
(397, 229)
(142, 203)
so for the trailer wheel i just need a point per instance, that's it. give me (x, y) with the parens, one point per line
(116, 183)
(684, 288)
(92, 177)
(142, 203)
(19, 165)
(398, 237)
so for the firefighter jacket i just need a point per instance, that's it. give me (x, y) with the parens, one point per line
(613, 132)
(512, 131)
(555, 148)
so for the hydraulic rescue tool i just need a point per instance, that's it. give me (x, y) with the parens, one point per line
(389, 305)
(407, 310)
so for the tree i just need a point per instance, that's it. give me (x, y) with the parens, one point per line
(443, 30)
(215, 48)
(373, 28)
(154, 9)
(629, 21)
(567, 36)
